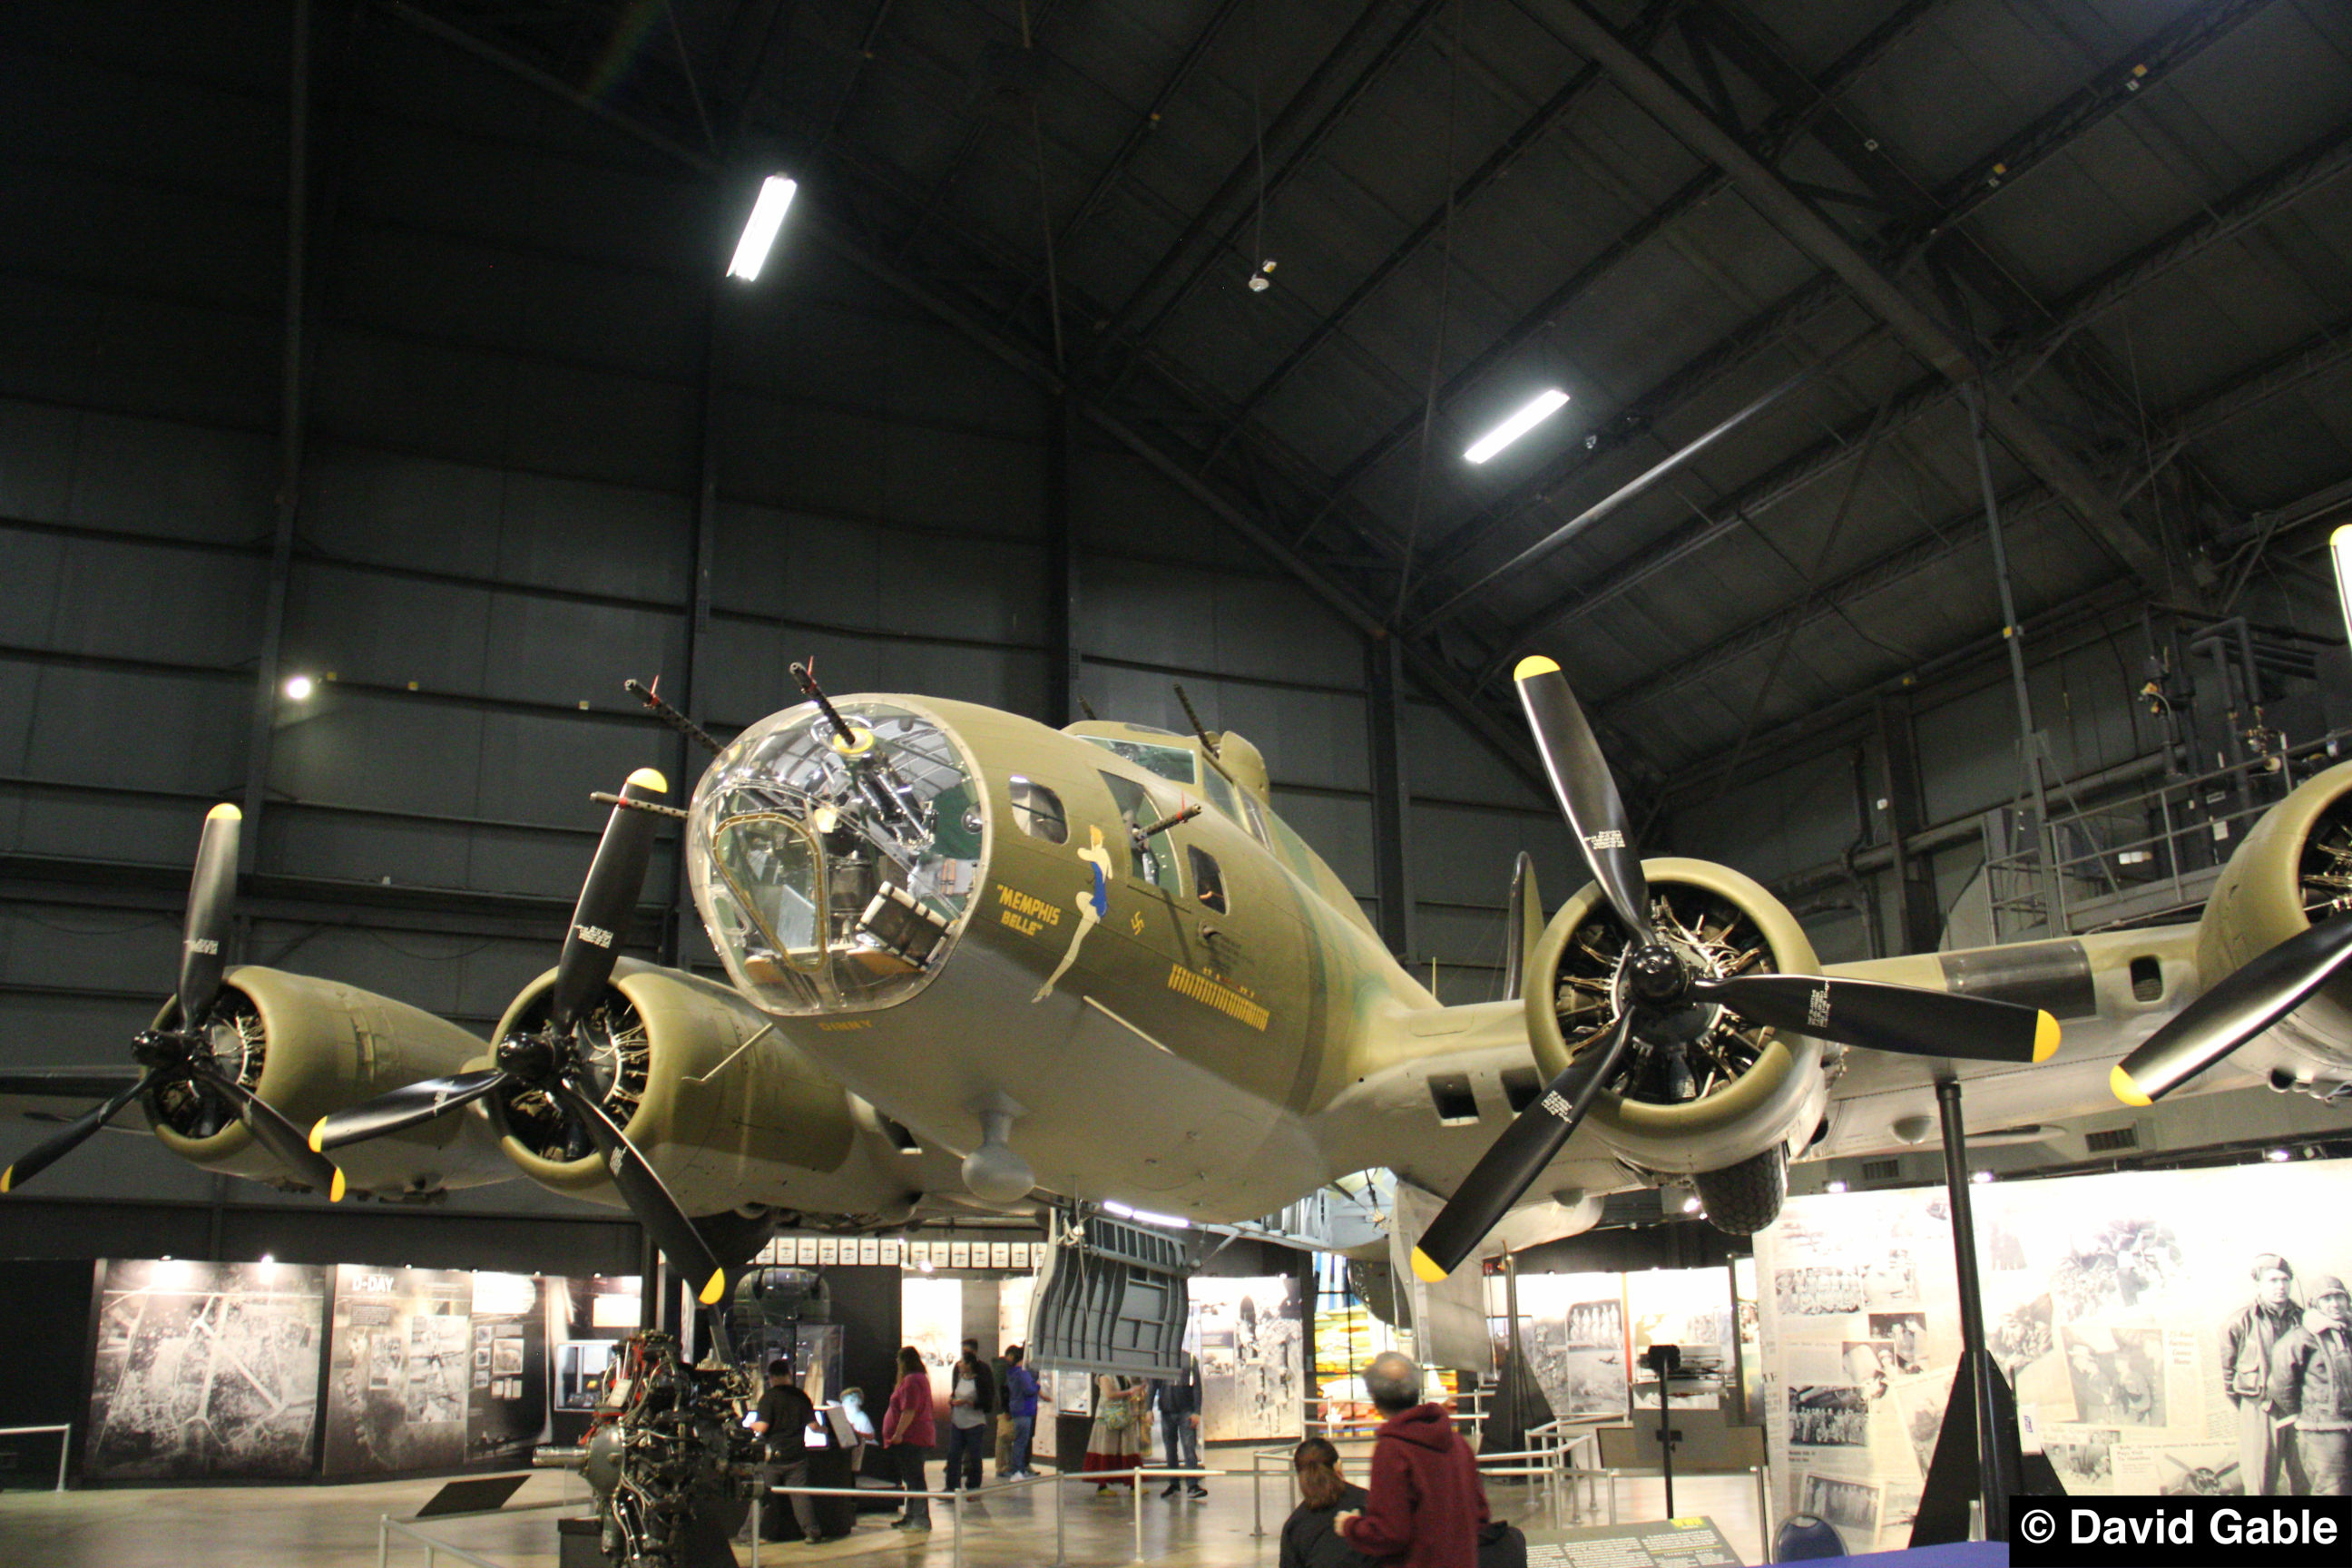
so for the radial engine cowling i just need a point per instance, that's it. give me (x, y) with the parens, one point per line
(311, 1047)
(729, 1112)
(2295, 867)
(1722, 1090)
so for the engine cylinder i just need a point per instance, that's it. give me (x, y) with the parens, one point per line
(1720, 1092)
(309, 1047)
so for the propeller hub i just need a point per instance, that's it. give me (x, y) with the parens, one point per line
(1657, 973)
(160, 1049)
(531, 1058)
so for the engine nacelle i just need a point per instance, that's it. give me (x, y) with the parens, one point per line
(1729, 1091)
(729, 1112)
(311, 1047)
(2297, 862)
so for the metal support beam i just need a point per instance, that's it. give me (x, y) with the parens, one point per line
(1918, 913)
(701, 554)
(292, 414)
(1911, 324)
(1392, 799)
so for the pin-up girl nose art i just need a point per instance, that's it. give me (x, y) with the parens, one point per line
(1093, 901)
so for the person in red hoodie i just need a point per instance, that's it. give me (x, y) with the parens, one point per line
(1427, 1503)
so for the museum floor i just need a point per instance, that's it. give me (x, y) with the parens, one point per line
(335, 1527)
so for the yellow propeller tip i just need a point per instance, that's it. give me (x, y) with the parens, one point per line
(1426, 1267)
(2335, 541)
(650, 778)
(1535, 664)
(2125, 1090)
(318, 1136)
(335, 1193)
(716, 1288)
(8, 1178)
(224, 811)
(2045, 1037)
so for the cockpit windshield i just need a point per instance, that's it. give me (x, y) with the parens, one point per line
(834, 871)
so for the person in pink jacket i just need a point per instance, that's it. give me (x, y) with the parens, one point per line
(907, 1435)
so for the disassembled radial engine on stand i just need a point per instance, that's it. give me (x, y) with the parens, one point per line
(669, 1460)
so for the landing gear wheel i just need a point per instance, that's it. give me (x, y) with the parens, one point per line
(1743, 1199)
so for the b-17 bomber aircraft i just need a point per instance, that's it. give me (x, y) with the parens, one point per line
(1095, 965)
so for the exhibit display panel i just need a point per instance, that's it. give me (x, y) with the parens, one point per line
(1250, 1336)
(2125, 1309)
(1572, 1331)
(1689, 1308)
(204, 1370)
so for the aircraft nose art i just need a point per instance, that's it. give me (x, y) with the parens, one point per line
(834, 855)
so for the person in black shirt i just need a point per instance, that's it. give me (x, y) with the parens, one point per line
(782, 1418)
(1307, 1539)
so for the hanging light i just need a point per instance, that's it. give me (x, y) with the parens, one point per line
(1534, 413)
(760, 229)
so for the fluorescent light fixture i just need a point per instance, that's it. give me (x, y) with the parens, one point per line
(1835, 1187)
(1145, 1216)
(299, 687)
(2339, 546)
(1544, 406)
(2277, 1156)
(1981, 1177)
(1690, 1205)
(760, 232)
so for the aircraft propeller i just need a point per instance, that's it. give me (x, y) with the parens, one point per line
(2240, 1006)
(554, 1060)
(1662, 987)
(185, 1054)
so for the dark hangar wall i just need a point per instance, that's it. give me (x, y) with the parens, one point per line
(506, 423)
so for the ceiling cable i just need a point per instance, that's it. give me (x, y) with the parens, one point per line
(1445, 310)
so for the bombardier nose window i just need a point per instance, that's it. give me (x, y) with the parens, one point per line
(832, 872)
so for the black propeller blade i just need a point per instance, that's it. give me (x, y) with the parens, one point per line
(273, 1132)
(1903, 1019)
(2234, 1011)
(614, 878)
(47, 1155)
(1515, 1160)
(212, 891)
(648, 1199)
(1588, 795)
(402, 1107)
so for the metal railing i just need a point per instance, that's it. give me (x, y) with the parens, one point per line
(65, 1444)
(2172, 837)
(1134, 1479)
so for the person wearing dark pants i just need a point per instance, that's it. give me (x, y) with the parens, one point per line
(907, 1434)
(2311, 1380)
(968, 1421)
(782, 1420)
(1179, 1399)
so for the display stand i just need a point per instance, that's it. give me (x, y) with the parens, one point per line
(1977, 1450)
(1665, 1360)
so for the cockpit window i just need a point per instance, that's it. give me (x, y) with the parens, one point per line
(1037, 810)
(1151, 857)
(832, 869)
(1175, 763)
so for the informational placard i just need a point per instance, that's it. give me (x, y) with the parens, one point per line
(869, 1250)
(828, 1251)
(893, 1252)
(1573, 1330)
(399, 1369)
(805, 1252)
(959, 1255)
(1000, 1255)
(1021, 1255)
(1652, 1543)
(2144, 1320)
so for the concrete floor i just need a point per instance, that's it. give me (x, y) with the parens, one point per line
(336, 1526)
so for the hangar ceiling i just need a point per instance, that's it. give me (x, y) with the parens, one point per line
(1826, 226)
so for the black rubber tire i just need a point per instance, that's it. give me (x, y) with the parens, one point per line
(1745, 1198)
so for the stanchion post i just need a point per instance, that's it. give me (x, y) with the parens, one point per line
(382, 1539)
(955, 1540)
(1763, 1512)
(1061, 1485)
(1258, 1495)
(1136, 1481)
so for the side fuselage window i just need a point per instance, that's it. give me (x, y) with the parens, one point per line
(1151, 857)
(1208, 881)
(1037, 810)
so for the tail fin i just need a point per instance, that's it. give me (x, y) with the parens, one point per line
(1525, 924)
